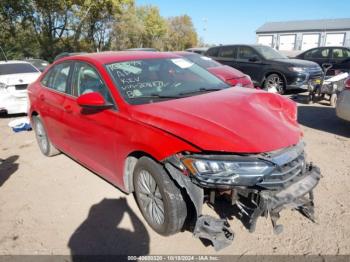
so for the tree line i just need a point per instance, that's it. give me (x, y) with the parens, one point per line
(43, 29)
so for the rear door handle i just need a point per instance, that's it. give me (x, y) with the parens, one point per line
(42, 97)
(68, 109)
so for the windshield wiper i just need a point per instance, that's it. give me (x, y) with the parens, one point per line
(179, 95)
(200, 90)
(156, 96)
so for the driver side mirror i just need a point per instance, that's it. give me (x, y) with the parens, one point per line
(253, 59)
(93, 100)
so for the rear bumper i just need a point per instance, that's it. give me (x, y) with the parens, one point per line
(13, 104)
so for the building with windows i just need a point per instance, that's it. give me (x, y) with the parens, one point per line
(303, 35)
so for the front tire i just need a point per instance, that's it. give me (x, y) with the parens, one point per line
(158, 197)
(273, 81)
(43, 140)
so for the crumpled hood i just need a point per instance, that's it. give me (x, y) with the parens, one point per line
(237, 120)
(19, 79)
(226, 72)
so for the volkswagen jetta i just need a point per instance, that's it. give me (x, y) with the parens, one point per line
(177, 136)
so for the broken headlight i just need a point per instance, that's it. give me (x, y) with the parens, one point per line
(227, 171)
(217, 167)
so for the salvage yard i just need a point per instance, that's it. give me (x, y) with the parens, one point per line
(55, 206)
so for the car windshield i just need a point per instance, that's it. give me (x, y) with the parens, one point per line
(17, 68)
(202, 61)
(269, 53)
(153, 80)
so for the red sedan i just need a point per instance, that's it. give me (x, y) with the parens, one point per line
(231, 76)
(160, 126)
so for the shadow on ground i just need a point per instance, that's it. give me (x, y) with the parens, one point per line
(7, 168)
(323, 118)
(99, 234)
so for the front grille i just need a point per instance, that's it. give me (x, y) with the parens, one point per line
(21, 87)
(285, 174)
(315, 72)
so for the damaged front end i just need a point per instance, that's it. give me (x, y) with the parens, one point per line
(255, 185)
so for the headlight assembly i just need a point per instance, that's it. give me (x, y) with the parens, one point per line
(225, 168)
(297, 69)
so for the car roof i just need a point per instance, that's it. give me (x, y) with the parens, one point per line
(251, 45)
(13, 62)
(33, 59)
(119, 56)
(185, 53)
(198, 48)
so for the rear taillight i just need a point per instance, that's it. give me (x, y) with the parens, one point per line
(232, 82)
(347, 83)
(242, 81)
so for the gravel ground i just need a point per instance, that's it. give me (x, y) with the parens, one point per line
(55, 206)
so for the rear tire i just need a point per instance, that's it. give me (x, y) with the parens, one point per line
(42, 138)
(158, 197)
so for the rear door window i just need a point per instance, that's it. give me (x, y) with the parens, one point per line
(228, 52)
(57, 78)
(245, 53)
(317, 53)
(340, 53)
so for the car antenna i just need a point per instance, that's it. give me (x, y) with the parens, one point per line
(3, 53)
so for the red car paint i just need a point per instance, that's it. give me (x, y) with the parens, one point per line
(246, 120)
(228, 74)
(231, 76)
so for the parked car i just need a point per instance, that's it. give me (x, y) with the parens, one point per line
(198, 50)
(228, 74)
(343, 102)
(267, 67)
(158, 125)
(38, 63)
(14, 79)
(338, 57)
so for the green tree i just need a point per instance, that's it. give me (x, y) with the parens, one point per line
(55, 26)
(181, 33)
(128, 29)
(155, 26)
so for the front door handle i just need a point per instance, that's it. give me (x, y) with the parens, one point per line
(68, 109)
(42, 97)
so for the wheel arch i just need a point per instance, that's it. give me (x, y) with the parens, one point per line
(129, 166)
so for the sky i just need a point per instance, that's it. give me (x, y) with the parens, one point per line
(235, 21)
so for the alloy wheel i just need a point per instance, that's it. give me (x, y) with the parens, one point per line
(41, 136)
(275, 82)
(150, 197)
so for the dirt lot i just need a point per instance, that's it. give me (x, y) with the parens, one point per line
(55, 206)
